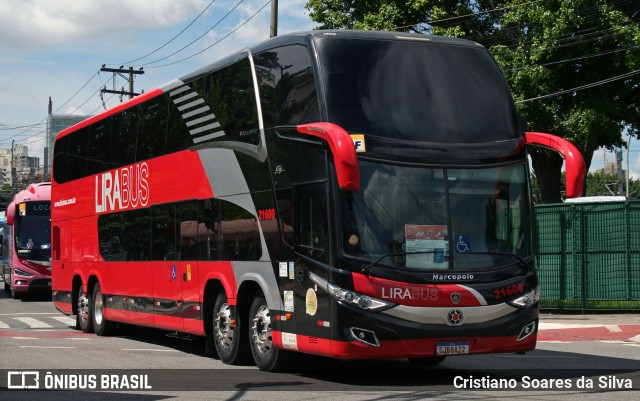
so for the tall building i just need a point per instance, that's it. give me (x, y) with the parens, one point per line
(24, 166)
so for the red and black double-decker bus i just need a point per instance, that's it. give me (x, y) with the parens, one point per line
(339, 193)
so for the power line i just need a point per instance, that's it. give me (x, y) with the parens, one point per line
(170, 40)
(578, 88)
(198, 38)
(218, 41)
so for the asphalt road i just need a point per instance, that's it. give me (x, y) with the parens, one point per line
(35, 337)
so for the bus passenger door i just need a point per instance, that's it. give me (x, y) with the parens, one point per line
(167, 269)
(312, 306)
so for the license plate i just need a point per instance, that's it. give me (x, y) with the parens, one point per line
(452, 348)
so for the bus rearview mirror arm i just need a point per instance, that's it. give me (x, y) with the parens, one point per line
(574, 162)
(342, 149)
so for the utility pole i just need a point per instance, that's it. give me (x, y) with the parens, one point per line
(48, 139)
(129, 77)
(274, 18)
(13, 167)
(620, 172)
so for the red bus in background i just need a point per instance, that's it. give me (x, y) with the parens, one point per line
(28, 250)
(338, 193)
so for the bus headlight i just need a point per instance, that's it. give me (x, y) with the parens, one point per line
(350, 297)
(22, 273)
(526, 299)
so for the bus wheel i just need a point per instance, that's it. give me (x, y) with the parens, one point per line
(430, 361)
(84, 320)
(265, 354)
(227, 337)
(101, 325)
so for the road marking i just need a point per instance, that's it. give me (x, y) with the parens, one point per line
(32, 313)
(42, 346)
(3, 325)
(613, 328)
(65, 320)
(24, 338)
(34, 323)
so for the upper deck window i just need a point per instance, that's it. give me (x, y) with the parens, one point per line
(416, 91)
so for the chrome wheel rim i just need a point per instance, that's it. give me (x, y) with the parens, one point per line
(223, 331)
(83, 308)
(261, 331)
(97, 308)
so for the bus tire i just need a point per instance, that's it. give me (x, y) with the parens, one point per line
(266, 355)
(84, 318)
(229, 342)
(101, 325)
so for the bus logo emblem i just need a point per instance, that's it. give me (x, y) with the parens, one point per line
(455, 317)
(455, 297)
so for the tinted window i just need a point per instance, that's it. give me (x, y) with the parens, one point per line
(125, 235)
(230, 95)
(210, 244)
(152, 128)
(240, 236)
(287, 86)
(416, 91)
(61, 159)
(311, 226)
(124, 136)
(163, 233)
(190, 229)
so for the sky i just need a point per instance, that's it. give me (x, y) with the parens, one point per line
(56, 48)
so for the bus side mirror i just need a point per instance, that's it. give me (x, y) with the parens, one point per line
(342, 149)
(574, 162)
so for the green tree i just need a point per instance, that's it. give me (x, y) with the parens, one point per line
(573, 66)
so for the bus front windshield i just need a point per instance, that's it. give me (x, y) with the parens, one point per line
(437, 219)
(33, 238)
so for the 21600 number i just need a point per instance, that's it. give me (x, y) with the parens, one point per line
(508, 291)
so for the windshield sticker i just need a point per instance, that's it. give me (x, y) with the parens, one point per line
(358, 143)
(463, 243)
(430, 245)
(282, 267)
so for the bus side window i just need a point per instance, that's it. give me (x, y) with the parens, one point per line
(152, 129)
(123, 139)
(209, 236)
(240, 235)
(163, 233)
(61, 160)
(188, 224)
(311, 225)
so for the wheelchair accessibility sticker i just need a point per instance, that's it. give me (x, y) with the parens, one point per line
(463, 243)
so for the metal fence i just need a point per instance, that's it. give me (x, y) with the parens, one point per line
(589, 256)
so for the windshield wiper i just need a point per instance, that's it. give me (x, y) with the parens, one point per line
(367, 269)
